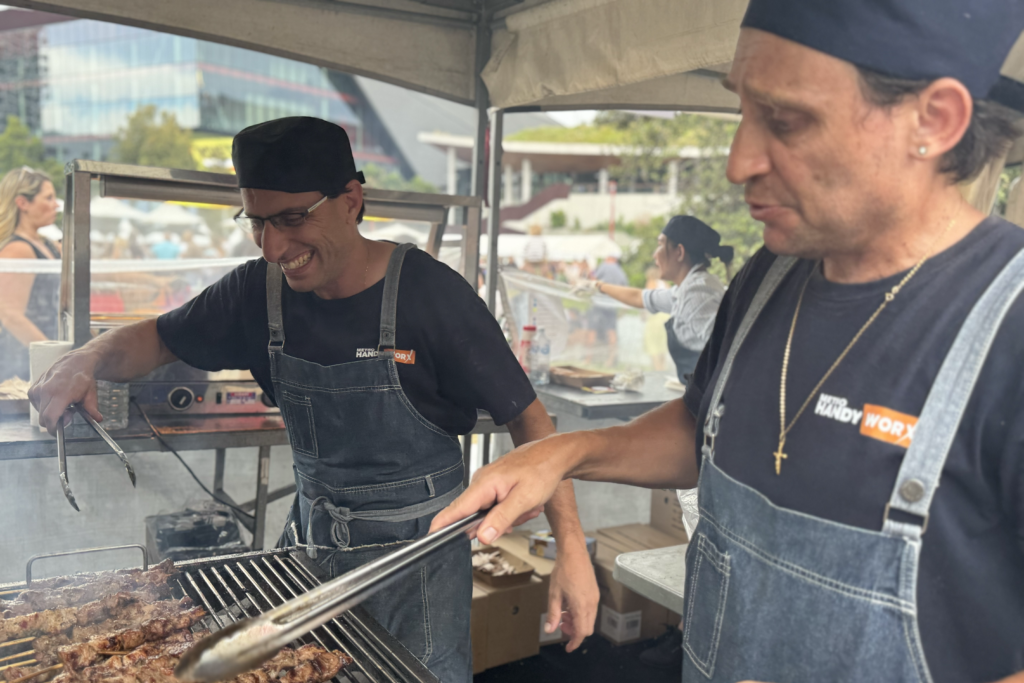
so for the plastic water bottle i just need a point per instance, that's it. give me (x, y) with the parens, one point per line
(540, 359)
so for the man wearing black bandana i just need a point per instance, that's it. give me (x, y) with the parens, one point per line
(375, 380)
(855, 425)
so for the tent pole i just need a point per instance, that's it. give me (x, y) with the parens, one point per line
(494, 215)
(478, 186)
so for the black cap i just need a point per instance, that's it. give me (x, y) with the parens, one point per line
(295, 154)
(915, 39)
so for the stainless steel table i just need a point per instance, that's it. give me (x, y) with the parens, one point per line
(658, 575)
(19, 441)
(623, 405)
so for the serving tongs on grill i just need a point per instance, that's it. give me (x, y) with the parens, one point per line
(246, 644)
(62, 455)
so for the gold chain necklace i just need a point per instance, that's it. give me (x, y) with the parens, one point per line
(784, 429)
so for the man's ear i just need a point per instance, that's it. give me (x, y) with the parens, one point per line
(353, 198)
(943, 112)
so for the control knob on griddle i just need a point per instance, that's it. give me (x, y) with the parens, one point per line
(181, 398)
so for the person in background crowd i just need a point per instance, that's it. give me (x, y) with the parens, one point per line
(535, 252)
(601, 320)
(28, 305)
(685, 249)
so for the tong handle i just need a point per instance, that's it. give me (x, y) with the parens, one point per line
(28, 567)
(100, 430)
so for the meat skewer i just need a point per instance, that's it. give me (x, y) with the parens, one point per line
(37, 673)
(160, 573)
(15, 642)
(79, 656)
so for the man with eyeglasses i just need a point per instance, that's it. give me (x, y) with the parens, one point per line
(375, 381)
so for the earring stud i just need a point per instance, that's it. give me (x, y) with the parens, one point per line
(922, 150)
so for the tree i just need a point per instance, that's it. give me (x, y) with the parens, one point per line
(378, 177)
(18, 147)
(146, 141)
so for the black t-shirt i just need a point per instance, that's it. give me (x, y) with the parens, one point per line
(462, 361)
(971, 579)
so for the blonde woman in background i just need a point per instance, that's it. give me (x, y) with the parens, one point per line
(28, 306)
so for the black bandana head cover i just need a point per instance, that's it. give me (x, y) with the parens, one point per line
(968, 40)
(295, 154)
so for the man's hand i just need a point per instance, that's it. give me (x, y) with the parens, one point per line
(70, 380)
(572, 595)
(518, 485)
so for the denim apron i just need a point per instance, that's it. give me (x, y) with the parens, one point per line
(371, 474)
(685, 359)
(778, 595)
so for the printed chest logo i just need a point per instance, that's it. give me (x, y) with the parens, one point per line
(406, 357)
(876, 422)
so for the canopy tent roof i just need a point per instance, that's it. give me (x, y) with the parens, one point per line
(555, 54)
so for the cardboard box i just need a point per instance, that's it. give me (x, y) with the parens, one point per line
(523, 569)
(667, 515)
(619, 628)
(506, 626)
(653, 618)
(478, 628)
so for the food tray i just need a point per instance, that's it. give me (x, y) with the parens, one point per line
(524, 570)
(572, 376)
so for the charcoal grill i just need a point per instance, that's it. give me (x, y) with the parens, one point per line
(232, 587)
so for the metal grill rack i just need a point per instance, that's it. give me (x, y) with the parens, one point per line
(237, 586)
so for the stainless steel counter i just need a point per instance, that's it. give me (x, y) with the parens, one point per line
(658, 575)
(623, 405)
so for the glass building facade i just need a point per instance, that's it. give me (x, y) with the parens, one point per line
(76, 81)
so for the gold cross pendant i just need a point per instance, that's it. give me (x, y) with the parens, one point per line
(779, 457)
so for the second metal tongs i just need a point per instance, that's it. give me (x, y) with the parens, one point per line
(246, 644)
(62, 456)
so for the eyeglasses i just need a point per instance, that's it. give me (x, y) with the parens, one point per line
(281, 221)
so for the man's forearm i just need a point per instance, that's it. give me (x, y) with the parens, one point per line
(128, 352)
(534, 424)
(656, 450)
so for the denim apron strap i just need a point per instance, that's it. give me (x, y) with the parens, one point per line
(275, 319)
(342, 516)
(389, 305)
(779, 269)
(921, 470)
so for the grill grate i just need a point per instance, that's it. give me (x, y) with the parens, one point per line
(238, 586)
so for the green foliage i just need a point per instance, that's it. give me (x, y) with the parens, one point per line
(595, 133)
(636, 263)
(558, 219)
(147, 141)
(382, 179)
(1006, 180)
(18, 147)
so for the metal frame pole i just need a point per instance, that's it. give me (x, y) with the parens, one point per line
(75, 262)
(483, 52)
(494, 215)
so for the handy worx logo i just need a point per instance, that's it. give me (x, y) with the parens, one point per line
(406, 357)
(876, 422)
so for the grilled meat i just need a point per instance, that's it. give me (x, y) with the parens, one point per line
(60, 620)
(323, 668)
(121, 580)
(78, 656)
(74, 596)
(132, 616)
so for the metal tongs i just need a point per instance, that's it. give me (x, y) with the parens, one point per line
(246, 644)
(62, 455)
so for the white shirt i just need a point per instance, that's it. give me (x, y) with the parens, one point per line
(693, 304)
